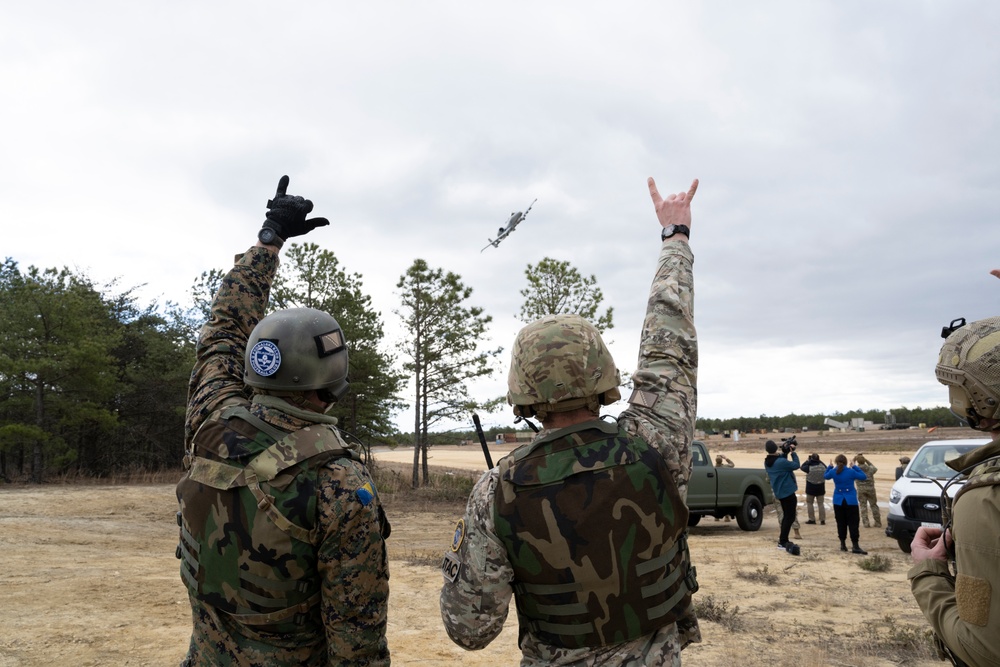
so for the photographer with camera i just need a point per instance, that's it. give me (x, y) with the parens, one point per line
(781, 473)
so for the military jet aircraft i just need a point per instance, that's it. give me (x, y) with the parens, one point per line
(513, 221)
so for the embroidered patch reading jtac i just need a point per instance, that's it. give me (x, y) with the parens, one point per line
(450, 567)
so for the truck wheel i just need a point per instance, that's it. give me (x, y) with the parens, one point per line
(904, 545)
(751, 514)
(693, 519)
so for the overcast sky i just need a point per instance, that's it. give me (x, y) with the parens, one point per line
(847, 152)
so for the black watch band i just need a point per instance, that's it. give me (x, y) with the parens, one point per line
(670, 230)
(270, 237)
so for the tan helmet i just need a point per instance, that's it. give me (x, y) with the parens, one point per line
(296, 350)
(969, 365)
(560, 363)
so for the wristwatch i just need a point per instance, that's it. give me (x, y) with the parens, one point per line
(269, 237)
(670, 230)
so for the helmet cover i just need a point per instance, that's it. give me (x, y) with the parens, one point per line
(560, 363)
(969, 365)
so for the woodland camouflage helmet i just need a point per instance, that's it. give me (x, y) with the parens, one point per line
(969, 365)
(560, 363)
(296, 350)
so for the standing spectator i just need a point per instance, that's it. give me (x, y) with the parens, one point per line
(845, 501)
(866, 492)
(815, 488)
(903, 460)
(781, 473)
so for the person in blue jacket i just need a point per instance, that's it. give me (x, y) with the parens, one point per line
(845, 501)
(781, 473)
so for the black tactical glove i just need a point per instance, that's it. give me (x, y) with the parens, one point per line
(286, 214)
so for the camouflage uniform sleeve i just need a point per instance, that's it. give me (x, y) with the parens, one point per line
(477, 589)
(239, 304)
(353, 566)
(664, 402)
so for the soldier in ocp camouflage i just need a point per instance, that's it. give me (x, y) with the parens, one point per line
(586, 525)
(282, 533)
(867, 498)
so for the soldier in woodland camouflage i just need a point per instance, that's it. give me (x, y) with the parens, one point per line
(585, 526)
(282, 535)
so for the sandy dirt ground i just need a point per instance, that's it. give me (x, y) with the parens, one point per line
(89, 578)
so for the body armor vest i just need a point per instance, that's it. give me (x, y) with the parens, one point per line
(594, 528)
(247, 517)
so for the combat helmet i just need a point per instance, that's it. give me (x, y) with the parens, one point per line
(560, 363)
(969, 365)
(298, 349)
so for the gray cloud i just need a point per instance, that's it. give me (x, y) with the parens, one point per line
(847, 153)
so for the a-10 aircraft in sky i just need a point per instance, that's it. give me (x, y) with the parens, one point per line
(512, 222)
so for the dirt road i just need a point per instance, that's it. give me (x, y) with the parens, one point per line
(89, 578)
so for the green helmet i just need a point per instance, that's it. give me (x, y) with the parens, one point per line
(560, 363)
(296, 350)
(969, 365)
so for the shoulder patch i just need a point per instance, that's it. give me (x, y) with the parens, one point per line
(366, 493)
(646, 399)
(451, 566)
(456, 541)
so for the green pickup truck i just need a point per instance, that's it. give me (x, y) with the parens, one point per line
(719, 492)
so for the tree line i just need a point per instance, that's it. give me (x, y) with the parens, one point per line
(94, 383)
(939, 416)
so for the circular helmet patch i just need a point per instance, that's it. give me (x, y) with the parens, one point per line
(265, 358)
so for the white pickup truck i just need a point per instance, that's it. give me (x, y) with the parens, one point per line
(915, 499)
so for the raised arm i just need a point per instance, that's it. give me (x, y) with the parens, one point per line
(217, 377)
(664, 402)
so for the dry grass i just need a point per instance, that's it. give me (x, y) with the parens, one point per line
(718, 611)
(900, 643)
(445, 488)
(876, 563)
(761, 575)
(133, 476)
(414, 557)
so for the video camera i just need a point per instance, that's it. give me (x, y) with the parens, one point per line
(788, 445)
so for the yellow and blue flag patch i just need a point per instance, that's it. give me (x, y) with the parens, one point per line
(366, 493)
